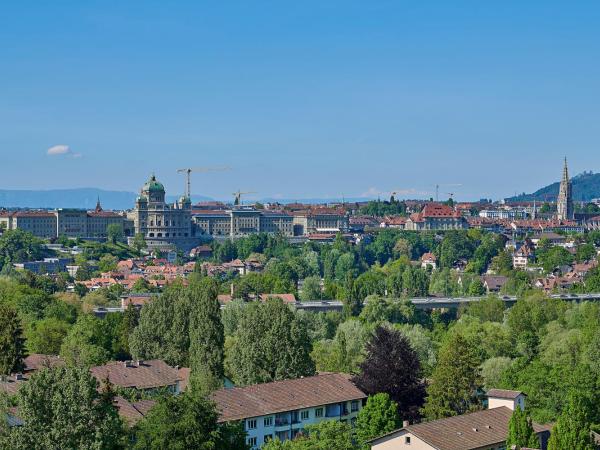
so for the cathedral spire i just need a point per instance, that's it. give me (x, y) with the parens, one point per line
(564, 201)
(98, 205)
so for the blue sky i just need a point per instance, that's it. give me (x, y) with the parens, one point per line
(301, 99)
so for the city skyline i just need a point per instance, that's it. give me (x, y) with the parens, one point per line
(313, 100)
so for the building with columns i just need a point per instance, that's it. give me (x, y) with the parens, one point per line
(163, 225)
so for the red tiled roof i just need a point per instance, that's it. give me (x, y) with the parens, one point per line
(428, 257)
(438, 210)
(287, 298)
(279, 396)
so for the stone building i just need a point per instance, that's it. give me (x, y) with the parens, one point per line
(69, 222)
(242, 221)
(564, 202)
(436, 216)
(163, 225)
(320, 220)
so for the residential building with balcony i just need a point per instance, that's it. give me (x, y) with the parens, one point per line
(283, 409)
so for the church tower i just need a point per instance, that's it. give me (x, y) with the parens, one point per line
(564, 202)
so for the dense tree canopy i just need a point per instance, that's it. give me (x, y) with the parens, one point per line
(62, 408)
(272, 330)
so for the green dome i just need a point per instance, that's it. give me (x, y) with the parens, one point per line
(153, 185)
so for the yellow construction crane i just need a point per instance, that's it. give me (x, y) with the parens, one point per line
(188, 172)
(238, 196)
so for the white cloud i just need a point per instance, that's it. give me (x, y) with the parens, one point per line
(62, 149)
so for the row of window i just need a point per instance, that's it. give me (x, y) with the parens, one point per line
(167, 235)
(251, 424)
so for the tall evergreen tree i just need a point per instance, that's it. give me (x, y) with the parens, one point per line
(206, 335)
(520, 431)
(455, 380)
(12, 344)
(392, 366)
(572, 429)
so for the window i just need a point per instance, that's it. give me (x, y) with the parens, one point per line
(252, 441)
(268, 421)
(267, 438)
(319, 412)
(250, 424)
(354, 406)
(407, 440)
(304, 414)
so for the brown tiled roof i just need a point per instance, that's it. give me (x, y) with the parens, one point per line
(11, 384)
(149, 374)
(279, 396)
(36, 361)
(504, 393)
(476, 430)
(133, 412)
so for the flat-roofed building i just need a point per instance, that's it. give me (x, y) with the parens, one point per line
(320, 220)
(282, 409)
(242, 221)
(39, 223)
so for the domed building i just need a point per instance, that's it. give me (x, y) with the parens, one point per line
(163, 225)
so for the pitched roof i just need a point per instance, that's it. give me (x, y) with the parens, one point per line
(279, 396)
(438, 210)
(133, 412)
(504, 393)
(476, 430)
(37, 361)
(139, 374)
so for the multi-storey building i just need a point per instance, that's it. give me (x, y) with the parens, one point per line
(436, 216)
(510, 213)
(282, 409)
(242, 221)
(69, 222)
(163, 225)
(39, 223)
(320, 220)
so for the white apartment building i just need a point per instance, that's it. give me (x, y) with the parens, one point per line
(282, 409)
(504, 214)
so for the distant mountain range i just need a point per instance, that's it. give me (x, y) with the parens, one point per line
(118, 200)
(586, 186)
(73, 198)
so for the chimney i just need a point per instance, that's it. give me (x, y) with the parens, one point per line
(139, 362)
(19, 377)
(405, 423)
